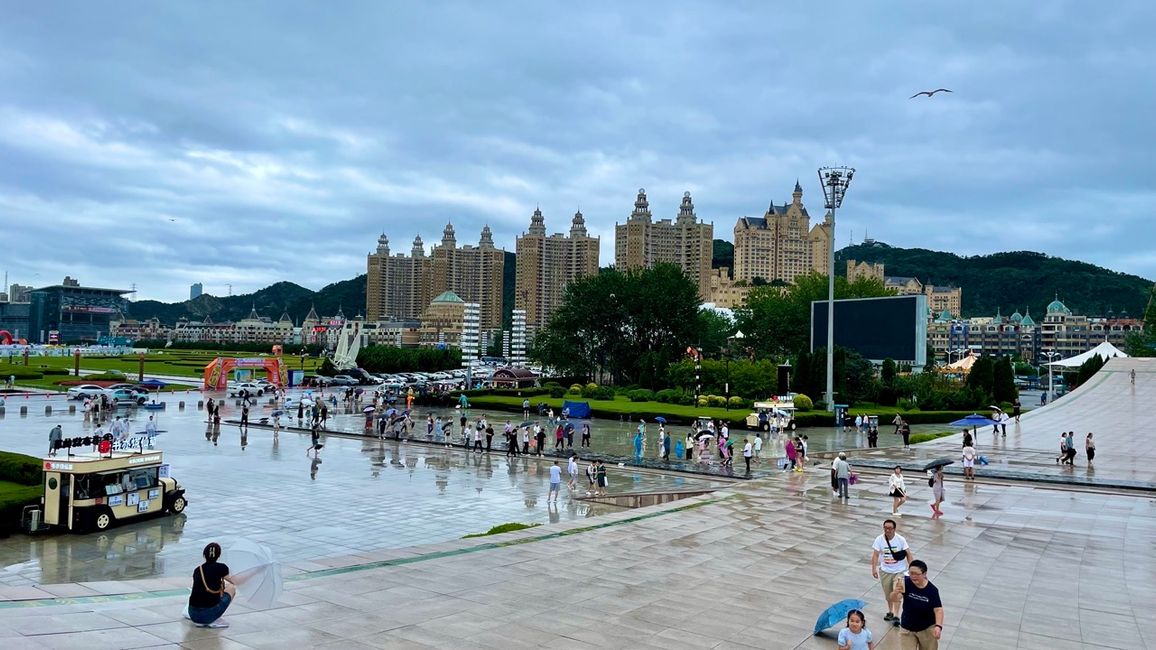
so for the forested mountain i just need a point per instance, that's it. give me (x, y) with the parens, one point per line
(347, 295)
(1011, 281)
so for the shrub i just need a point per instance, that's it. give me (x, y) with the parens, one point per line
(905, 404)
(803, 403)
(56, 371)
(20, 468)
(685, 399)
(702, 401)
(716, 400)
(107, 375)
(557, 391)
(20, 372)
(736, 402)
(589, 389)
(640, 395)
(666, 396)
(603, 393)
(575, 389)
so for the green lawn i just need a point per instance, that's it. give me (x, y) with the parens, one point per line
(621, 406)
(179, 363)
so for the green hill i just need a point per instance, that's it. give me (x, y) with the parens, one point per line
(1011, 281)
(347, 295)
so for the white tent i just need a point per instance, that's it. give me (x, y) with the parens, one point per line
(1106, 351)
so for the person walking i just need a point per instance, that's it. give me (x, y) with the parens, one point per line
(555, 482)
(526, 409)
(541, 439)
(873, 437)
(477, 440)
(897, 489)
(572, 470)
(758, 444)
(921, 623)
(489, 437)
(245, 415)
(843, 476)
(591, 478)
(748, 453)
(905, 431)
(585, 434)
(890, 558)
(600, 478)
(213, 590)
(856, 636)
(792, 455)
(525, 441)
(1090, 448)
(56, 435)
(937, 492)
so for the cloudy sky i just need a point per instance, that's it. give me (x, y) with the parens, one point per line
(165, 143)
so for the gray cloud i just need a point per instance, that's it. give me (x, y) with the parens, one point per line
(244, 144)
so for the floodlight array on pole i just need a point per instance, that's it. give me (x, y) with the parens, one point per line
(835, 181)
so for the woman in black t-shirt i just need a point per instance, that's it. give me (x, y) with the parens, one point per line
(213, 591)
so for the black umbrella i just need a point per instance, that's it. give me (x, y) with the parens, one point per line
(938, 462)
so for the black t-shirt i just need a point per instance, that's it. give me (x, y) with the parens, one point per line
(214, 573)
(919, 606)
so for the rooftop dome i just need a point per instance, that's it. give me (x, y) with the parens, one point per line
(1016, 317)
(448, 296)
(1056, 307)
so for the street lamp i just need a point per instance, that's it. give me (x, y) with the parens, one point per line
(739, 336)
(835, 181)
(1051, 354)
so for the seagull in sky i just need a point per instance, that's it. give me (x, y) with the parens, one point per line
(929, 93)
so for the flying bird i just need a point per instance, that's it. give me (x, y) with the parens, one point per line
(929, 93)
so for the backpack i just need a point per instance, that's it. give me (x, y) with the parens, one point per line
(931, 481)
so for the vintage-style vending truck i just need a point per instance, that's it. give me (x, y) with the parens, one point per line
(93, 491)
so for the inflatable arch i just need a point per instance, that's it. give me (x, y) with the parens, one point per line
(6, 338)
(217, 372)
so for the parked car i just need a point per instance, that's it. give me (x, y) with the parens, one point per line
(85, 391)
(254, 389)
(342, 380)
(139, 390)
(125, 397)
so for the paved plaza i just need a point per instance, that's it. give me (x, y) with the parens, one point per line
(1019, 564)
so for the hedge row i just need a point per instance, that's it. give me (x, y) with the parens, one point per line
(20, 468)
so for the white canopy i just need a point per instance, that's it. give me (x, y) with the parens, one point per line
(1106, 351)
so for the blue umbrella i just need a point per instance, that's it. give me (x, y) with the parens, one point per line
(660, 419)
(837, 613)
(973, 420)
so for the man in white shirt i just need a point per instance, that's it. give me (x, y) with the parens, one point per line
(888, 568)
(572, 470)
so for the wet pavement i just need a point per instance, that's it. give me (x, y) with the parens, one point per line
(1020, 565)
(363, 495)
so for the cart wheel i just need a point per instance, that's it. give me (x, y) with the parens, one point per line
(178, 505)
(103, 520)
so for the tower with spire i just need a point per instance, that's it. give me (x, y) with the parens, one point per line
(397, 286)
(782, 244)
(684, 241)
(472, 272)
(547, 263)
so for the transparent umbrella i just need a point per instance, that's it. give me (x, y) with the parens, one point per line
(255, 572)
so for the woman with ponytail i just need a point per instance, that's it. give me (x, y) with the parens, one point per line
(213, 590)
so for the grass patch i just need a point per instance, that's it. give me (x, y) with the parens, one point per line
(928, 437)
(502, 528)
(180, 363)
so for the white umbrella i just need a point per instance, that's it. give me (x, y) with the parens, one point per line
(255, 572)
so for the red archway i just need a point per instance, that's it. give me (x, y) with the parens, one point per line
(217, 372)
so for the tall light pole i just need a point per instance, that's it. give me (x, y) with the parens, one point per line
(1051, 354)
(835, 181)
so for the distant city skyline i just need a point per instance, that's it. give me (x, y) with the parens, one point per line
(245, 144)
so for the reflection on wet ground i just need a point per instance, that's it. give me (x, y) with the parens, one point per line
(358, 495)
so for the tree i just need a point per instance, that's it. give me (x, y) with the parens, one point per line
(981, 377)
(630, 325)
(1004, 381)
(887, 372)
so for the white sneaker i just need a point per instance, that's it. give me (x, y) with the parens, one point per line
(217, 624)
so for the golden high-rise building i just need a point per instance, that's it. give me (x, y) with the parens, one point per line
(686, 242)
(472, 272)
(547, 263)
(782, 245)
(397, 287)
